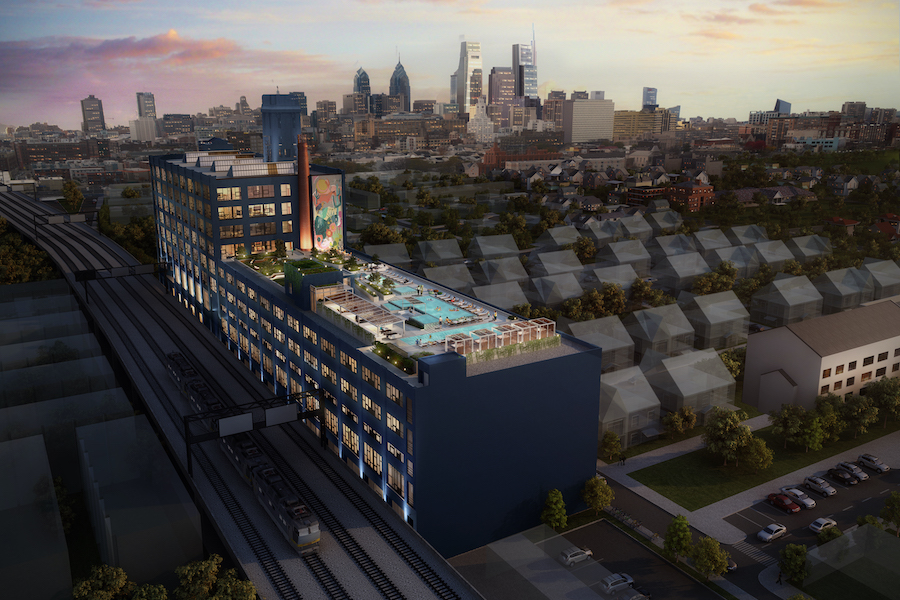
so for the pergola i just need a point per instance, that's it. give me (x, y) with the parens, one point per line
(351, 306)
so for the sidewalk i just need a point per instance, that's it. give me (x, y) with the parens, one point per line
(709, 520)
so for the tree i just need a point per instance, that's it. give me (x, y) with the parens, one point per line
(554, 513)
(597, 494)
(793, 562)
(734, 361)
(891, 511)
(828, 408)
(678, 537)
(104, 583)
(859, 413)
(709, 558)
(869, 520)
(885, 396)
(200, 580)
(72, 197)
(811, 434)
(787, 422)
(725, 435)
(720, 280)
(676, 423)
(611, 445)
(130, 192)
(829, 534)
(583, 248)
(379, 233)
(756, 455)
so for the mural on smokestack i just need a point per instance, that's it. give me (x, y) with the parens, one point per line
(328, 212)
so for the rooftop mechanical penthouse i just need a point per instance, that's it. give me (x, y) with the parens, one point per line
(458, 415)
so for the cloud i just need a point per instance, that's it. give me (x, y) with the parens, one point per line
(810, 3)
(764, 9)
(718, 34)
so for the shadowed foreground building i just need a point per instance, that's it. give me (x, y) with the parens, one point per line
(424, 412)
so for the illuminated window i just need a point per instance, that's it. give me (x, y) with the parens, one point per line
(285, 208)
(260, 191)
(865, 377)
(329, 374)
(348, 389)
(309, 359)
(371, 378)
(370, 406)
(826, 373)
(371, 431)
(393, 394)
(395, 479)
(279, 313)
(349, 413)
(279, 335)
(372, 458)
(331, 421)
(293, 323)
(838, 385)
(394, 452)
(230, 212)
(348, 362)
(327, 347)
(839, 369)
(285, 189)
(261, 210)
(394, 425)
(309, 334)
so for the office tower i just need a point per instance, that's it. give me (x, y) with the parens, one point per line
(598, 95)
(676, 111)
(553, 110)
(855, 110)
(146, 105)
(326, 110)
(556, 95)
(243, 108)
(784, 108)
(469, 77)
(177, 124)
(355, 104)
(424, 106)
(282, 123)
(92, 115)
(142, 129)
(400, 86)
(361, 83)
(579, 96)
(649, 98)
(453, 88)
(588, 120)
(502, 92)
(525, 70)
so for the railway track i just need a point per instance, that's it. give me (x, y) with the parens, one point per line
(138, 289)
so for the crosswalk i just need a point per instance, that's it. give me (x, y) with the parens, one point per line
(755, 553)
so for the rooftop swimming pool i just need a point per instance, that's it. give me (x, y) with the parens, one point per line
(404, 290)
(438, 336)
(428, 305)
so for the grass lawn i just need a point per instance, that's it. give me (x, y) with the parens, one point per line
(698, 479)
(838, 585)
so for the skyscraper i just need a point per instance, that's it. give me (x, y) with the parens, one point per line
(649, 98)
(588, 120)
(400, 85)
(361, 82)
(525, 70)
(146, 105)
(502, 91)
(282, 123)
(92, 115)
(469, 77)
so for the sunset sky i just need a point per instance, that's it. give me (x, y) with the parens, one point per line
(719, 58)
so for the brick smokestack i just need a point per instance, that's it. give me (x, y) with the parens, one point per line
(303, 195)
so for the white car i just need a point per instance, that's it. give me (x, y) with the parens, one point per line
(799, 497)
(854, 470)
(573, 555)
(873, 462)
(771, 532)
(820, 525)
(820, 485)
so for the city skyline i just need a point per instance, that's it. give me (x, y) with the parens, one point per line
(709, 60)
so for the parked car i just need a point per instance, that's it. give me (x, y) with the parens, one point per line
(842, 476)
(820, 525)
(799, 498)
(771, 532)
(573, 555)
(732, 566)
(819, 485)
(643, 593)
(617, 582)
(783, 502)
(853, 470)
(873, 462)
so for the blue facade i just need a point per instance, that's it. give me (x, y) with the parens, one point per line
(465, 456)
(282, 123)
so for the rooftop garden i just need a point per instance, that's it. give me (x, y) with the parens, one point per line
(266, 264)
(404, 363)
(336, 257)
(308, 266)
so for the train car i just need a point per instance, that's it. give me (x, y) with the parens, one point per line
(293, 518)
(202, 400)
(181, 370)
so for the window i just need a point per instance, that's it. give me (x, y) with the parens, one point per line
(896, 352)
(395, 479)
(348, 389)
(370, 406)
(233, 193)
(351, 440)
(409, 468)
(287, 226)
(394, 425)
(839, 369)
(409, 442)
(260, 191)
(371, 378)
(231, 231)
(293, 323)
(865, 377)
(394, 452)
(393, 394)
(349, 413)
(285, 189)
(279, 313)
(309, 334)
(882, 356)
(409, 499)
(838, 385)
(826, 373)
(851, 367)
(372, 458)
(264, 302)
(895, 368)
(309, 359)
(329, 374)
(371, 431)
(824, 389)
(331, 421)
(266, 325)
(261, 210)
(262, 228)
(327, 347)
(295, 348)
(279, 335)
(851, 381)
(635, 421)
(409, 410)
(285, 208)
(868, 361)
(230, 212)
(881, 372)
(348, 362)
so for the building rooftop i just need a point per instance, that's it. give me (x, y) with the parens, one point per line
(850, 329)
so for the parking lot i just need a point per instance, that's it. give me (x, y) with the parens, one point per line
(850, 502)
(617, 552)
